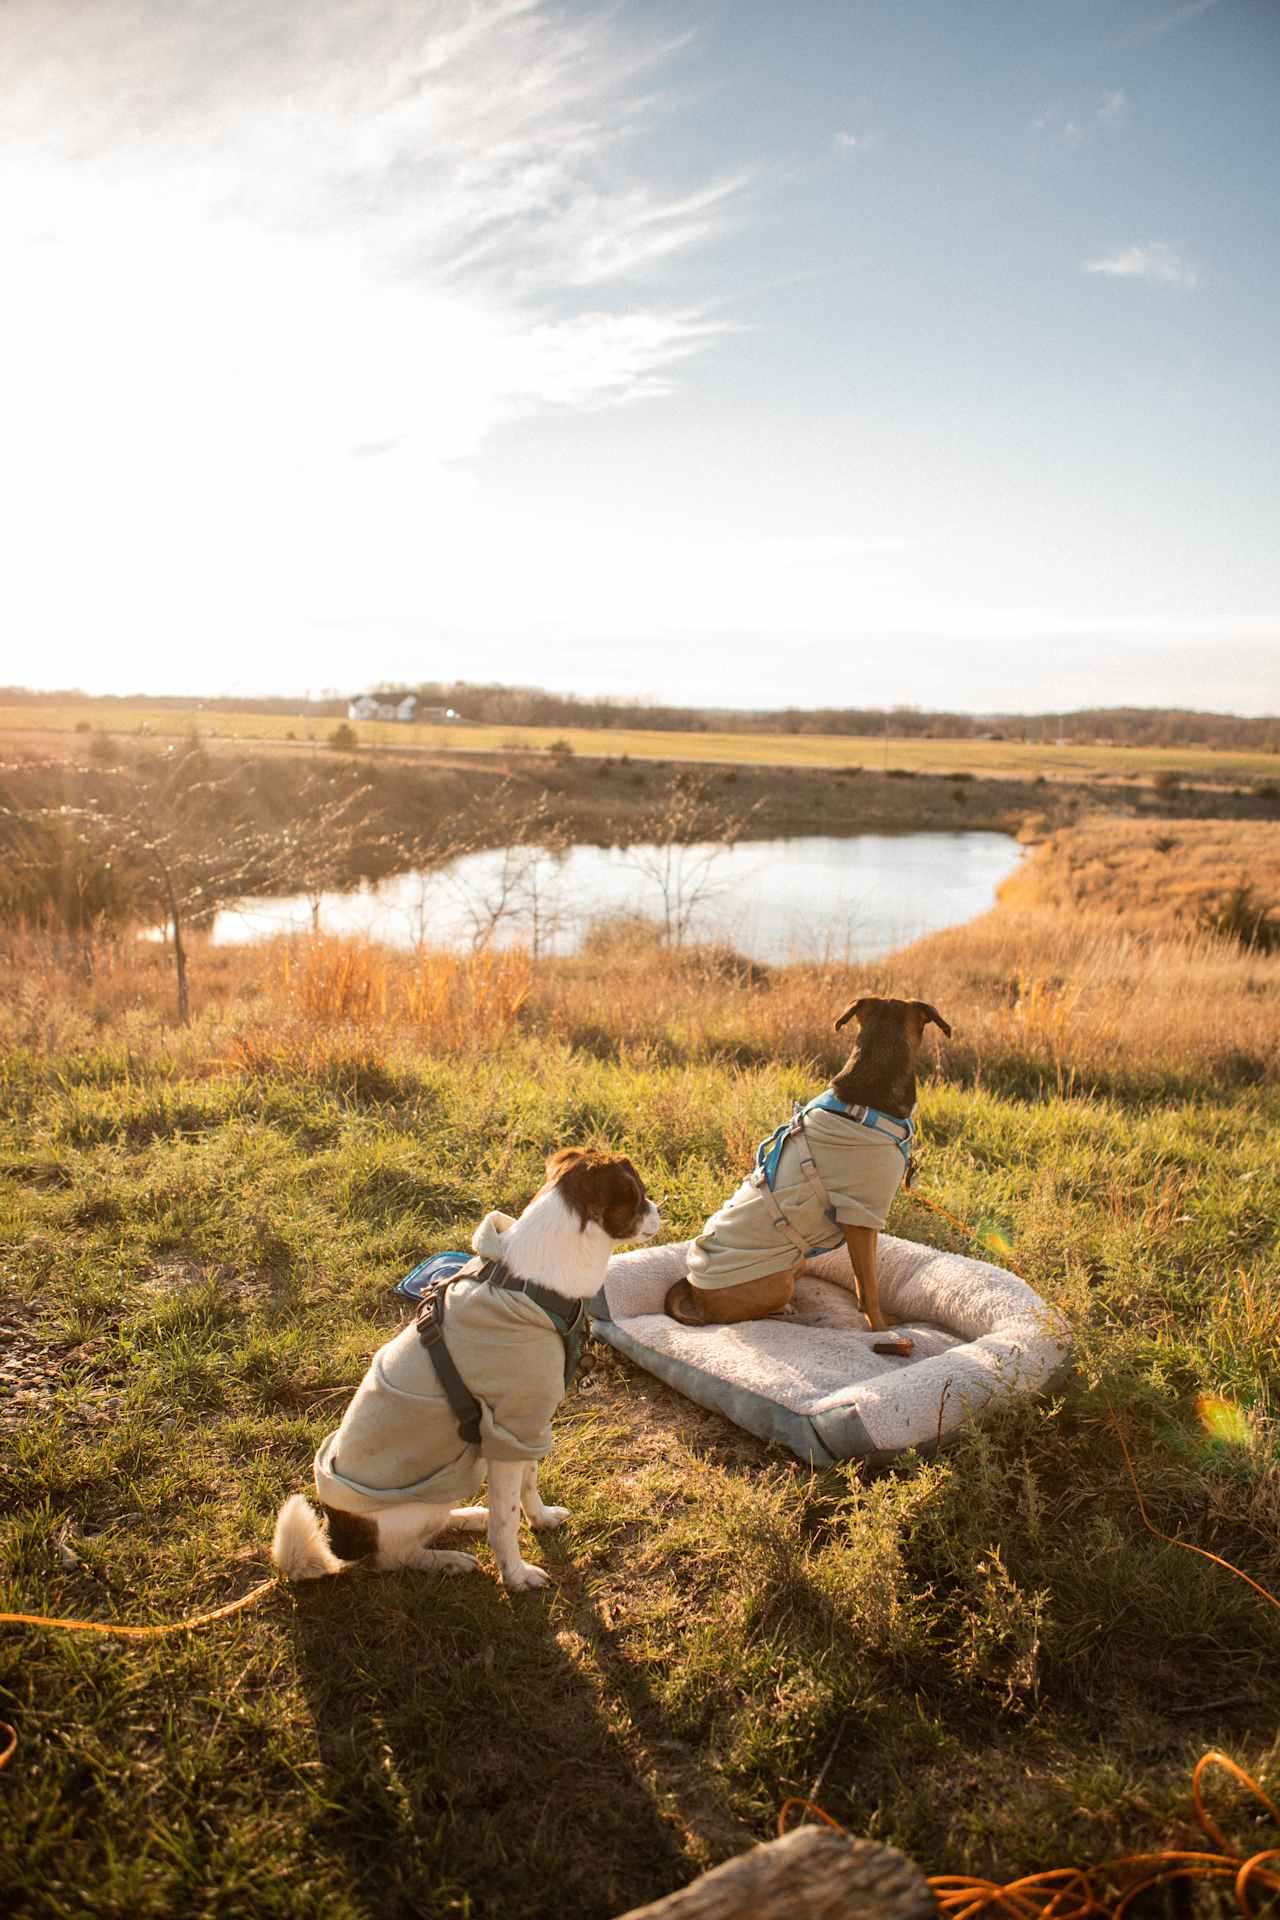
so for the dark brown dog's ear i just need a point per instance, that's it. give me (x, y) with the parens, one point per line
(562, 1158)
(930, 1015)
(854, 1011)
(622, 1199)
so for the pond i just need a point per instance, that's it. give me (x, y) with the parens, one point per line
(817, 897)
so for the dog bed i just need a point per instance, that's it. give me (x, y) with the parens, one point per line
(809, 1380)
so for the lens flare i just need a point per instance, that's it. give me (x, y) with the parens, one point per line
(1222, 1420)
(994, 1239)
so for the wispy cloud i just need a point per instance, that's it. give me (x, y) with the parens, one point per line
(479, 154)
(275, 274)
(1152, 260)
(1161, 23)
(846, 141)
(1077, 122)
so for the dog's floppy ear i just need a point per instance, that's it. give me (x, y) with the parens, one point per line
(854, 1011)
(930, 1015)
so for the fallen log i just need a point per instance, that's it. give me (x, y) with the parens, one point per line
(810, 1874)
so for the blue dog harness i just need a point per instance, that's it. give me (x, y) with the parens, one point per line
(769, 1153)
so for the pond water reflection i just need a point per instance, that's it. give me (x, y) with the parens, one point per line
(820, 896)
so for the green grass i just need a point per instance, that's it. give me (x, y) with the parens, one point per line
(985, 1657)
(1007, 759)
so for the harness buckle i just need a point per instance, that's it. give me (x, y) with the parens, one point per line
(430, 1314)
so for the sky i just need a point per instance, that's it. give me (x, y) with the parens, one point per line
(849, 353)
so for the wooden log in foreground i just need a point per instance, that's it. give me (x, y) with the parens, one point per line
(810, 1874)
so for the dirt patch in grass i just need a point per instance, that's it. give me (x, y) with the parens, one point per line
(37, 1369)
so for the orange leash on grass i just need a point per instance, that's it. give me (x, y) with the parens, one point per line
(1171, 1540)
(1073, 1893)
(139, 1633)
(130, 1633)
(935, 1206)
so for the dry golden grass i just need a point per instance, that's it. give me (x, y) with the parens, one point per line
(1155, 873)
(1097, 1001)
(51, 729)
(1037, 998)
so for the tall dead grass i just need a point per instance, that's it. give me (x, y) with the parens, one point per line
(444, 997)
(1158, 874)
(1037, 999)
(1092, 996)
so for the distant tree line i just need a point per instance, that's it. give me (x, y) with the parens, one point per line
(499, 705)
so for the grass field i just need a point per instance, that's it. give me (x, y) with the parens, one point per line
(1152, 873)
(50, 727)
(986, 1659)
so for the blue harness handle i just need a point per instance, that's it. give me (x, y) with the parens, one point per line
(769, 1152)
(440, 1266)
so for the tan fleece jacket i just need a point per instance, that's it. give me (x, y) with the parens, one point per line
(399, 1439)
(861, 1170)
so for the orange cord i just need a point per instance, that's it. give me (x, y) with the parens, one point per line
(1186, 1545)
(131, 1633)
(1069, 1893)
(935, 1206)
(1074, 1893)
(138, 1633)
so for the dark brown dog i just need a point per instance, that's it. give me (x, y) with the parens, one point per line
(880, 1073)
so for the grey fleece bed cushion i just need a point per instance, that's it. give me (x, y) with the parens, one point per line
(809, 1380)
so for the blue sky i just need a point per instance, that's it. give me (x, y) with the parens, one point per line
(841, 354)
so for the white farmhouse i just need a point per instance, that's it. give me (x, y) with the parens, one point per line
(367, 706)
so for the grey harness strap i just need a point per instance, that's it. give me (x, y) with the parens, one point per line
(808, 1166)
(568, 1318)
(465, 1407)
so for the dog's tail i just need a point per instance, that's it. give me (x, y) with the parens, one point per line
(683, 1304)
(298, 1546)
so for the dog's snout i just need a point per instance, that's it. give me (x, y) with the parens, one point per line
(650, 1221)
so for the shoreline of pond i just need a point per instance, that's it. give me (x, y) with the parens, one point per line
(856, 897)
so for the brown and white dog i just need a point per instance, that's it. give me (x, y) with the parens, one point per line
(879, 1075)
(389, 1477)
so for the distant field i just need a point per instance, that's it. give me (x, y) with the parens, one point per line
(46, 728)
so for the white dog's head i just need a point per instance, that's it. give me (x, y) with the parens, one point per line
(603, 1190)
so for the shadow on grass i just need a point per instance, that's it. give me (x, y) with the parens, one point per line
(482, 1753)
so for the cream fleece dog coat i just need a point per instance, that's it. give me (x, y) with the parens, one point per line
(399, 1437)
(861, 1169)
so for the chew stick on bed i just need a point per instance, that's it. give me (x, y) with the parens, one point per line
(901, 1349)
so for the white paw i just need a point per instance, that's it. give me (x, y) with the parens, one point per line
(467, 1520)
(522, 1577)
(549, 1517)
(455, 1562)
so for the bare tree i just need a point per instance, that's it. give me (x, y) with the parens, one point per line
(680, 846)
(519, 891)
(173, 845)
(328, 836)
